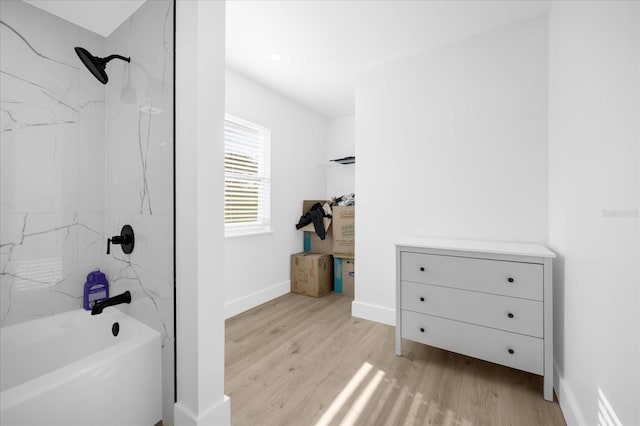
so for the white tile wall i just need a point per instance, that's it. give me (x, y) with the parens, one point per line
(51, 164)
(139, 177)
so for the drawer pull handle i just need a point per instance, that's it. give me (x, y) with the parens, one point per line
(510, 279)
(510, 315)
(422, 299)
(511, 351)
(421, 329)
(422, 269)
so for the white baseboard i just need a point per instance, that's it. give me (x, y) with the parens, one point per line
(570, 409)
(219, 415)
(373, 312)
(244, 303)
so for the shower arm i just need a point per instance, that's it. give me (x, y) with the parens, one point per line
(110, 57)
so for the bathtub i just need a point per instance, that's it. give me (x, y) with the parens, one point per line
(70, 369)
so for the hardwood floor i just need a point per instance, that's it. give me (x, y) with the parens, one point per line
(298, 360)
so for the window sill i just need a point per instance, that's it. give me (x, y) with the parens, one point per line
(248, 233)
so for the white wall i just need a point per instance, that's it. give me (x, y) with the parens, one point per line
(450, 142)
(200, 32)
(340, 143)
(257, 266)
(594, 117)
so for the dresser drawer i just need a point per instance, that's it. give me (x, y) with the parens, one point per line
(514, 279)
(505, 313)
(502, 347)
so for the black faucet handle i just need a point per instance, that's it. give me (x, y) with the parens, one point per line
(126, 239)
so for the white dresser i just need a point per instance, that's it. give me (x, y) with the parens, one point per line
(485, 299)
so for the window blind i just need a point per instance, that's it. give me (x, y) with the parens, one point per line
(247, 177)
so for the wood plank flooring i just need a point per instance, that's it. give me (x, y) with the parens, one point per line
(298, 360)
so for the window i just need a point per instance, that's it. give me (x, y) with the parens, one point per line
(247, 177)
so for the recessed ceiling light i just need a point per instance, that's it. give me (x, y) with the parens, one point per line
(275, 57)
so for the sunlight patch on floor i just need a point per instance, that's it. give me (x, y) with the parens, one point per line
(404, 394)
(358, 406)
(373, 394)
(344, 395)
(386, 393)
(415, 406)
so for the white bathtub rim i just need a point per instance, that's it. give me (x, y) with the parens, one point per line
(20, 393)
(13, 396)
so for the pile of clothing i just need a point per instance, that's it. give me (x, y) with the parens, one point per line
(344, 200)
(319, 211)
(316, 216)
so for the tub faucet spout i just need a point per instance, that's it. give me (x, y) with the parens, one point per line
(115, 300)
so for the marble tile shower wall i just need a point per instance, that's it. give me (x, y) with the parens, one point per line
(51, 164)
(78, 160)
(139, 173)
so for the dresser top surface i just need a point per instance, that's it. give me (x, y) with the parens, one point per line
(478, 246)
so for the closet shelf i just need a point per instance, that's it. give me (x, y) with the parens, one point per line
(345, 160)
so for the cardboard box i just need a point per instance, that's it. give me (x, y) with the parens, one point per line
(313, 243)
(344, 276)
(311, 274)
(344, 231)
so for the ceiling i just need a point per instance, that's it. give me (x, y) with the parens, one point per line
(99, 16)
(323, 44)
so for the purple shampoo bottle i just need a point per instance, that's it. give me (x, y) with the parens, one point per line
(96, 289)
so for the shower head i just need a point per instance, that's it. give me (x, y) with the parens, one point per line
(97, 65)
